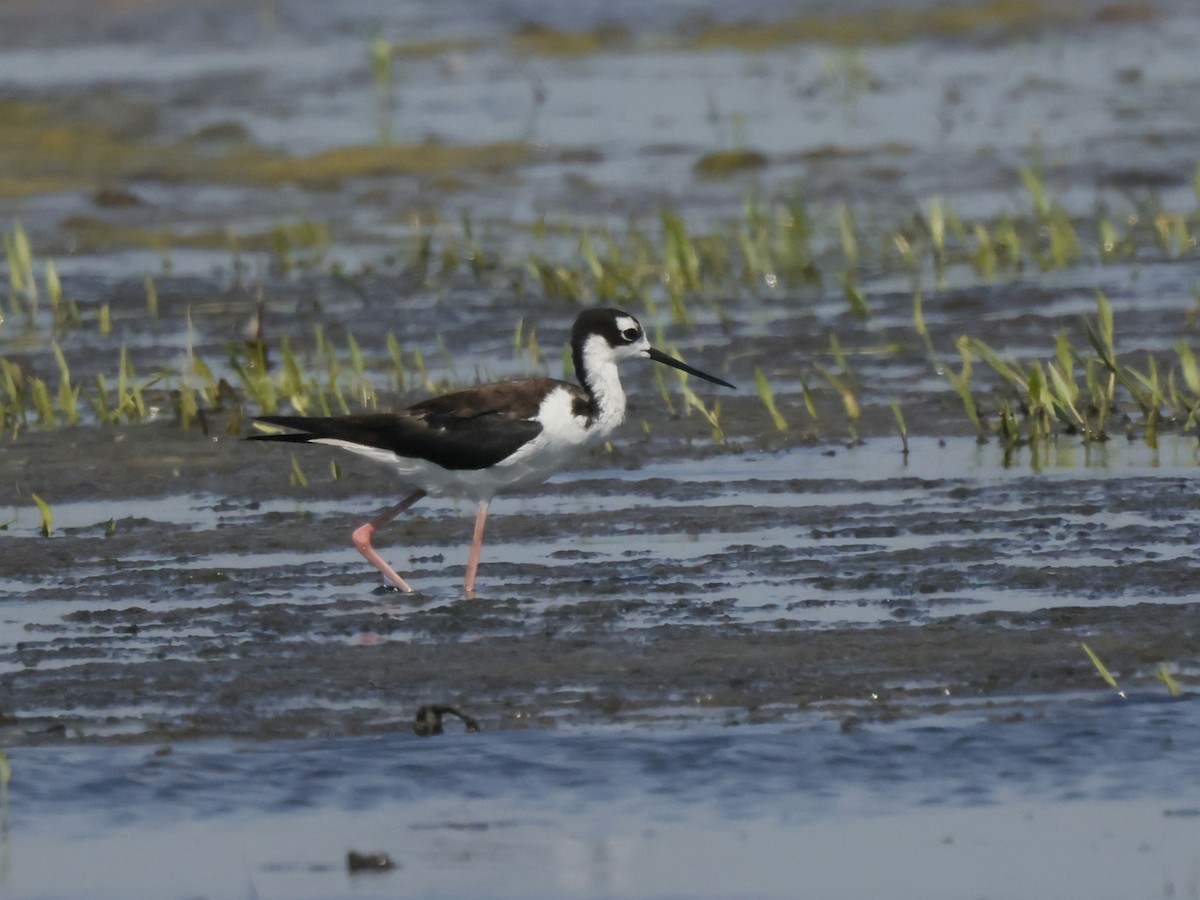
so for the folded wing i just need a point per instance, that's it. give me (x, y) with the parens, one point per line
(470, 429)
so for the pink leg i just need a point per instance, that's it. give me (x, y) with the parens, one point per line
(362, 540)
(476, 547)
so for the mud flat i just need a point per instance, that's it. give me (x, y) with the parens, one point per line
(840, 608)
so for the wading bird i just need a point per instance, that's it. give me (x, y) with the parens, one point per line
(482, 441)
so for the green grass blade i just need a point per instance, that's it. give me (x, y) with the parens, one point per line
(1187, 361)
(5, 777)
(151, 298)
(767, 396)
(47, 516)
(810, 403)
(298, 477)
(1102, 669)
(899, 414)
(919, 316)
(1163, 675)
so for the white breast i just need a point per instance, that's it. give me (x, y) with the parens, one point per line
(563, 437)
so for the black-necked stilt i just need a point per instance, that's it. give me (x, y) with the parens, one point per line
(482, 441)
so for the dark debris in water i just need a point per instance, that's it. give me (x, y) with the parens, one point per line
(368, 862)
(428, 720)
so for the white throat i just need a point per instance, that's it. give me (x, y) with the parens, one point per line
(600, 376)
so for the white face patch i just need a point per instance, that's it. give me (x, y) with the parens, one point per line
(635, 339)
(627, 323)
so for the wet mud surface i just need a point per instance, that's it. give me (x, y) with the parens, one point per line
(896, 636)
(733, 587)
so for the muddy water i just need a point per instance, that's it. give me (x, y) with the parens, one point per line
(697, 811)
(702, 666)
(673, 663)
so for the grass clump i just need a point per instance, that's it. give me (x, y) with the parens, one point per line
(1039, 398)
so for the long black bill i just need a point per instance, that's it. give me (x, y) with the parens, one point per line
(659, 356)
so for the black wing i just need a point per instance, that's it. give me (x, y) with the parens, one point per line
(470, 429)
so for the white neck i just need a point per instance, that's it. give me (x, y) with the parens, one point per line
(601, 378)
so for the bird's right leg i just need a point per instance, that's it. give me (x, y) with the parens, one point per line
(362, 540)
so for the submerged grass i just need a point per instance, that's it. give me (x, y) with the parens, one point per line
(46, 150)
(666, 267)
(1162, 673)
(1103, 670)
(767, 396)
(888, 26)
(46, 524)
(1040, 399)
(850, 29)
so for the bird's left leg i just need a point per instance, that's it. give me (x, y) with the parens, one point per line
(362, 540)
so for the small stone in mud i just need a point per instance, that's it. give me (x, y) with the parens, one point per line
(428, 720)
(368, 862)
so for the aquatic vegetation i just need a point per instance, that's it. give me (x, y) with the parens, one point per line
(961, 382)
(810, 403)
(298, 478)
(294, 245)
(856, 300)
(844, 384)
(886, 26)
(5, 778)
(667, 265)
(381, 54)
(22, 284)
(844, 29)
(535, 39)
(845, 221)
(1042, 398)
(725, 163)
(44, 149)
(68, 393)
(525, 345)
(1161, 673)
(330, 168)
(850, 404)
(767, 396)
(900, 423)
(1103, 670)
(844, 72)
(46, 524)
(711, 414)
(131, 404)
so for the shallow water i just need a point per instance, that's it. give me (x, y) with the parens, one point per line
(764, 664)
(861, 536)
(1083, 799)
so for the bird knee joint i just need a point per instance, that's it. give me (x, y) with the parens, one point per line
(362, 536)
